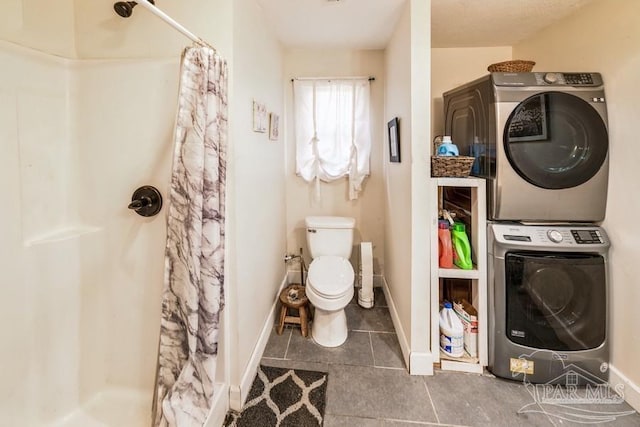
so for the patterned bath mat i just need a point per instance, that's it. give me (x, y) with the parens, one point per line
(281, 397)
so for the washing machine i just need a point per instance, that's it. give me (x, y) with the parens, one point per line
(540, 140)
(548, 293)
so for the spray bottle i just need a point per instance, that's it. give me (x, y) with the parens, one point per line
(461, 247)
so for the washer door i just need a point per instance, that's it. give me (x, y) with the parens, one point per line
(555, 140)
(555, 301)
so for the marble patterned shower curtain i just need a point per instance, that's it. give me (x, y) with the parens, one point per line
(193, 295)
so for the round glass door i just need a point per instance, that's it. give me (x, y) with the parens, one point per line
(555, 140)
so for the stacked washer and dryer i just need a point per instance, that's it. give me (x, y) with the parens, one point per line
(541, 142)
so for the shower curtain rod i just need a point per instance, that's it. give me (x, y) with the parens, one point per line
(166, 18)
(334, 78)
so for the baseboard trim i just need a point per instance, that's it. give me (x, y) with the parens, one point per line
(219, 407)
(631, 391)
(238, 393)
(402, 338)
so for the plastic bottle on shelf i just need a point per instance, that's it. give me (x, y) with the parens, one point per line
(461, 247)
(445, 250)
(451, 332)
(447, 147)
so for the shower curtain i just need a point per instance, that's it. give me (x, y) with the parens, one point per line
(194, 258)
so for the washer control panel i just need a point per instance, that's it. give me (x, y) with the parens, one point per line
(552, 236)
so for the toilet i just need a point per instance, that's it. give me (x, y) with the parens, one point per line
(329, 284)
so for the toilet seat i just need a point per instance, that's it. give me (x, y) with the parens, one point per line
(331, 277)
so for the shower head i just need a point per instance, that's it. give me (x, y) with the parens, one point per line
(125, 8)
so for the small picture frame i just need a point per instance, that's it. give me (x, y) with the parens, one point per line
(394, 140)
(274, 123)
(259, 117)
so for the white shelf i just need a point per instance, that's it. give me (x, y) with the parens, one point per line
(478, 275)
(458, 273)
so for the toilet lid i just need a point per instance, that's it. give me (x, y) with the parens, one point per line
(330, 276)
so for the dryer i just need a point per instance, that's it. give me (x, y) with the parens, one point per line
(540, 140)
(548, 293)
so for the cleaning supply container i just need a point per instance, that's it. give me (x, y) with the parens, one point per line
(451, 332)
(461, 247)
(447, 148)
(445, 250)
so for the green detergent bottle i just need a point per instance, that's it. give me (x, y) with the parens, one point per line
(461, 247)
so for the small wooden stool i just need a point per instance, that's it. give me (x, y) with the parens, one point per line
(294, 297)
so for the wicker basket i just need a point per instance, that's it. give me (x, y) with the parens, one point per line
(451, 166)
(515, 66)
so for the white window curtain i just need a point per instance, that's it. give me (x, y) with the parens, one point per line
(333, 136)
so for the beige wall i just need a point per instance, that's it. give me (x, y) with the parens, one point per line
(101, 33)
(367, 209)
(397, 196)
(612, 48)
(41, 280)
(452, 67)
(420, 175)
(40, 25)
(256, 204)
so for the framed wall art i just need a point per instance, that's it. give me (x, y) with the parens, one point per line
(394, 140)
(274, 123)
(259, 117)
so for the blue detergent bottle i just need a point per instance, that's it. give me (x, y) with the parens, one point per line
(447, 148)
(461, 247)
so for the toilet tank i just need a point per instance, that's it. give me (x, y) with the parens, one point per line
(330, 235)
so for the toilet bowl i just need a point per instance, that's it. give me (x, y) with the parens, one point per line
(330, 288)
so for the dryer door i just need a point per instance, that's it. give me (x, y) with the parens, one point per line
(555, 301)
(555, 140)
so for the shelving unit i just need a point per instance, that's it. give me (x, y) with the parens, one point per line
(477, 276)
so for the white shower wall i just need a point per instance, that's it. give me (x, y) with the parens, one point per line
(82, 274)
(41, 239)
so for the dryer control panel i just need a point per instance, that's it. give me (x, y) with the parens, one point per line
(547, 79)
(549, 236)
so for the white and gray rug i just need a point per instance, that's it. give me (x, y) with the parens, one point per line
(281, 397)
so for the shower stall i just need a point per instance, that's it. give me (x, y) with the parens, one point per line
(82, 275)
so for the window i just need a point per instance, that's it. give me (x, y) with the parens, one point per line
(333, 137)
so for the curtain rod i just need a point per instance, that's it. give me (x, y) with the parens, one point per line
(166, 18)
(370, 78)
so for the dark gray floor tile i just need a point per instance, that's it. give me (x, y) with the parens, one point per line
(394, 423)
(576, 415)
(477, 400)
(376, 319)
(386, 350)
(295, 364)
(355, 351)
(377, 393)
(339, 421)
(277, 344)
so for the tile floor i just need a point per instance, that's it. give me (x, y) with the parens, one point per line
(370, 387)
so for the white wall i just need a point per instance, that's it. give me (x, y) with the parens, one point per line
(614, 50)
(421, 362)
(256, 192)
(41, 273)
(101, 33)
(368, 208)
(39, 25)
(452, 67)
(397, 197)
(407, 96)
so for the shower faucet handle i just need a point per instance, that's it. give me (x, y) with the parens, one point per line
(146, 201)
